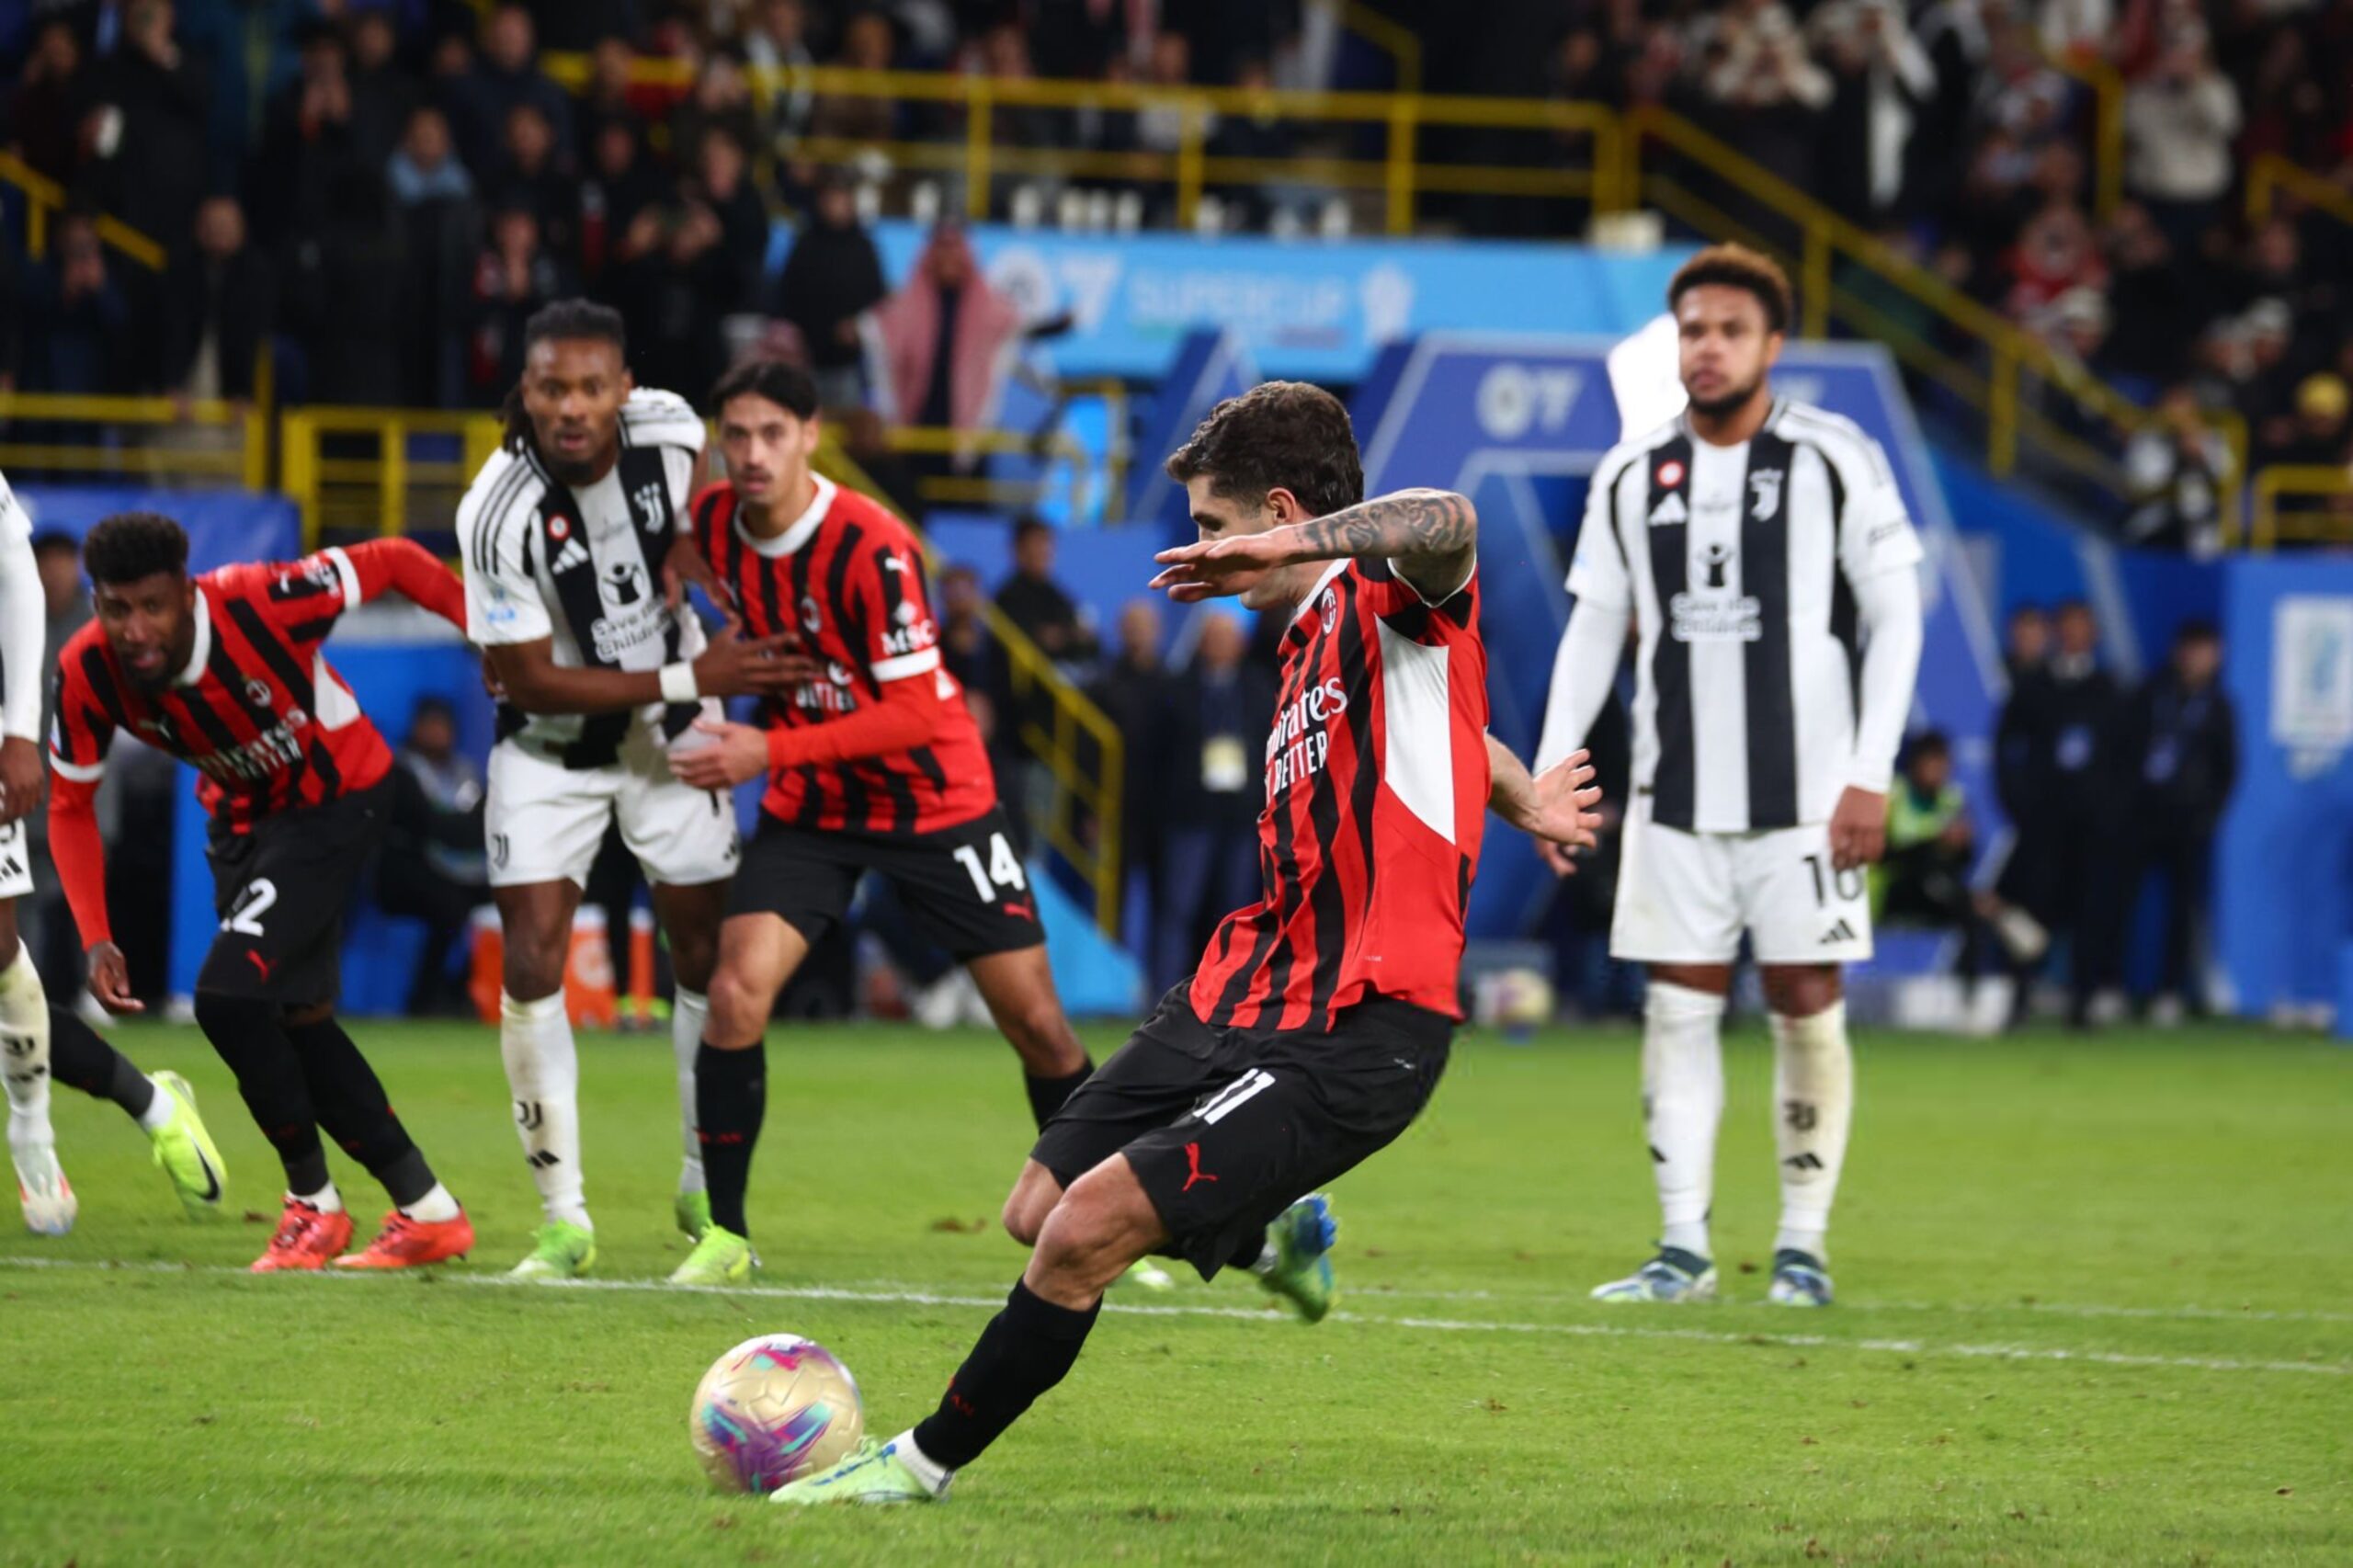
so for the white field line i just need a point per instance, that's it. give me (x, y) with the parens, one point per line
(1419, 1325)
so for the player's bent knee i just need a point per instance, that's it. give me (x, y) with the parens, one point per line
(739, 1008)
(1032, 1198)
(1800, 992)
(1103, 1223)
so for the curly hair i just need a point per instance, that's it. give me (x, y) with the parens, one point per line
(565, 320)
(1279, 434)
(130, 545)
(1737, 266)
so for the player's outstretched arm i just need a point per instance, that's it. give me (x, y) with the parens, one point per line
(1556, 806)
(407, 568)
(733, 666)
(1431, 536)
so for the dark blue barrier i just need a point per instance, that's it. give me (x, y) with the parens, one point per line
(224, 526)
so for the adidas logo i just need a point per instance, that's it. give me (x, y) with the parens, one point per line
(1841, 932)
(1671, 510)
(543, 1159)
(10, 868)
(1803, 1162)
(572, 555)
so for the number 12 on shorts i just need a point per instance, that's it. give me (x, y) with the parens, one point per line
(1003, 870)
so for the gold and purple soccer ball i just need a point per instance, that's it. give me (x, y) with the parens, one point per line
(773, 1410)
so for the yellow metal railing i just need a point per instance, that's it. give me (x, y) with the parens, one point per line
(2270, 175)
(44, 196)
(2005, 373)
(1087, 800)
(2106, 84)
(335, 489)
(1399, 42)
(1398, 174)
(213, 441)
(2331, 521)
(1057, 451)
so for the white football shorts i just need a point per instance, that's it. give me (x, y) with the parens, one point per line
(1687, 897)
(544, 822)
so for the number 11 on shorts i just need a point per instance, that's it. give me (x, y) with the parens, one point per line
(1003, 869)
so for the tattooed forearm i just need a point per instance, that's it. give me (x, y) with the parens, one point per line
(1433, 535)
(1405, 522)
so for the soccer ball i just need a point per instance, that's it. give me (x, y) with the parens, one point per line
(772, 1410)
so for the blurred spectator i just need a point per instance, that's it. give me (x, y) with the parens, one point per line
(831, 277)
(1160, 125)
(964, 646)
(45, 107)
(622, 182)
(1133, 691)
(440, 229)
(2177, 469)
(1880, 78)
(530, 176)
(1215, 719)
(866, 44)
(2152, 296)
(612, 97)
(1753, 66)
(2074, 765)
(382, 91)
(506, 75)
(723, 183)
(1923, 879)
(722, 100)
(775, 39)
(674, 280)
(946, 337)
(75, 326)
(2180, 744)
(2178, 121)
(143, 138)
(219, 307)
(575, 27)
(307, 146)
(433, 869)
(1040, 606)
(1260, 133)
(347, 300)
(515, 278)
(2318, 436)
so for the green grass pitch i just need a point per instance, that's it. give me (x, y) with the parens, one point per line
(2093, 1309)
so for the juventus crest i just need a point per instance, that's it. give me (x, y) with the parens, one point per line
(1765, 494)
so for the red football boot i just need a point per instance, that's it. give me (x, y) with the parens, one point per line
(404, 1242)
(307, 1237)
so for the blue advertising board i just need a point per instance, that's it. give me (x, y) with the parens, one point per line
(1518, 422)
(1307, 308)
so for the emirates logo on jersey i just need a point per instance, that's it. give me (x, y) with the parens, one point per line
(1669, 475)
(1300, 745)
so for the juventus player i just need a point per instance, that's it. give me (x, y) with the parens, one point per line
(39, 1043)
(1761, 552)
(1320, 1019)
(227, 673)
(567, 532)
(873, 764)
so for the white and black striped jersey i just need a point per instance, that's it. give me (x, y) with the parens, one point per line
(583, 569)
(1739, 565)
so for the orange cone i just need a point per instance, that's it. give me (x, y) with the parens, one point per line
(589, 976)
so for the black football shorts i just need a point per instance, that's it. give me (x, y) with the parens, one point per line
(280, 891)
(1226, 1128)
(964, 886)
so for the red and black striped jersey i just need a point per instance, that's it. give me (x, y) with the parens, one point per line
(847, 577)
(1377, 783)
(257, 710)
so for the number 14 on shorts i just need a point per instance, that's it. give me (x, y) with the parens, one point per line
(1003, 870)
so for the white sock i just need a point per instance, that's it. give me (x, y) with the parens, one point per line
(930, 1471)
(543, 1073)
(433, 1207)
(1813, 1103)
(326, 1200)
(160, 1110)
(24, 1063)
(1683, 1099)
(689, 1012)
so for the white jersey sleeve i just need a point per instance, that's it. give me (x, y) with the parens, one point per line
(23, 622)
(504, 601)
(655, 418)
(1597, 572)
(1875, 533)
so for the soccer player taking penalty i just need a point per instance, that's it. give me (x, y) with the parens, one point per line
(39, 1043)
(568, 533)
(227, 672)
(1320, 1019)
(1760, 551)
(873, 763)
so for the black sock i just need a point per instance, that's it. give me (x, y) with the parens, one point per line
(1026, 1349)
(246, 1031)
(354, 1109)
(730, 1101)
(80, 1059)
(1047, 1094)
